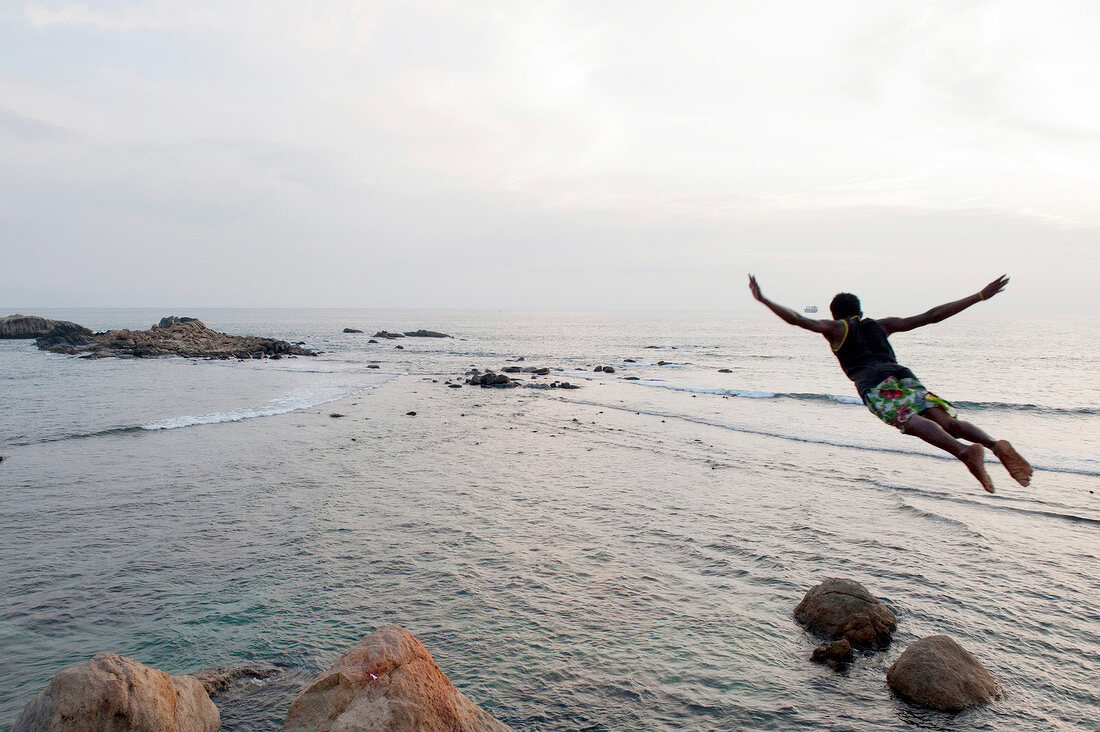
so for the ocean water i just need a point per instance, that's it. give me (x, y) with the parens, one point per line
(625, 556)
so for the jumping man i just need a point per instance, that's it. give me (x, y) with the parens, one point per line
(891, 391)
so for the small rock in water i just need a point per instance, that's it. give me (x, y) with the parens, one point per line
(455, 386)
(843, 608)
(630, 378)
(352, 330)
(373, 366)
(400, 348)
(725, 371)
(937, 672)
(336, 415)
(410, 414)
(372, 341)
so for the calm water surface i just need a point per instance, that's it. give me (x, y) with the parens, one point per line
(623, 556)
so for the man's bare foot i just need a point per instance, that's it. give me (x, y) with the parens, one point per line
(973, 458)
(1013, 461)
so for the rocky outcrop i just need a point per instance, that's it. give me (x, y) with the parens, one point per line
(385, 683)
(411, 334)
(843, 608)
(939, 673)
(112, 692)
(426, 334)
(24, 326)
(173, 336)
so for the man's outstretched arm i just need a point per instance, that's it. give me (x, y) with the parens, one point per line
(831, 329)
(945, 311)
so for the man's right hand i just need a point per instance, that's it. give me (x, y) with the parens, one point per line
(754, 288)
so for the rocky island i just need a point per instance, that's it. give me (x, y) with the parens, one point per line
(172, 336)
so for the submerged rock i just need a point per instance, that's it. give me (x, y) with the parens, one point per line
(112, 692)
(844, 608)
(173, 336)
(939, 673)
(387, 682)
(836, 655)
(219, 678)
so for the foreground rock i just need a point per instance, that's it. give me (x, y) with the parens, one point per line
(24, 326)
(173, 336)
(843, 608)
(939, 673)
(111, 692)
(386, 682)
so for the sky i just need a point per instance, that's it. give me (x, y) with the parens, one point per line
(565, 155)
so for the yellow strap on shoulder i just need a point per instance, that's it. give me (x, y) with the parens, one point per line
(840, 345)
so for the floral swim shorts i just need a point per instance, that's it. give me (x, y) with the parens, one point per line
(895, 400)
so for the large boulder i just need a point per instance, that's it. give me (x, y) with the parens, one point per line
(24, 326)
(385, 683)
(111, 693)
(937, 672)
(843, 608)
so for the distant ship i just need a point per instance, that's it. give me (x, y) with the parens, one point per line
(810, 309)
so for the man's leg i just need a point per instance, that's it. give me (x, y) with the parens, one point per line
(1014, 463)
(972, 456)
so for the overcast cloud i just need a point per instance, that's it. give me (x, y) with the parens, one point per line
(548, 154)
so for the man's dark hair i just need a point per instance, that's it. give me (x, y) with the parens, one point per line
(845, 305)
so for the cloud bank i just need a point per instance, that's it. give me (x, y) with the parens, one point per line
(578, 155)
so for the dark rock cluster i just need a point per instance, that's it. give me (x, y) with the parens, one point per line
(492, 379)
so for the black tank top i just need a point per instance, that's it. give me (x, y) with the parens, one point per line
(866, 356)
